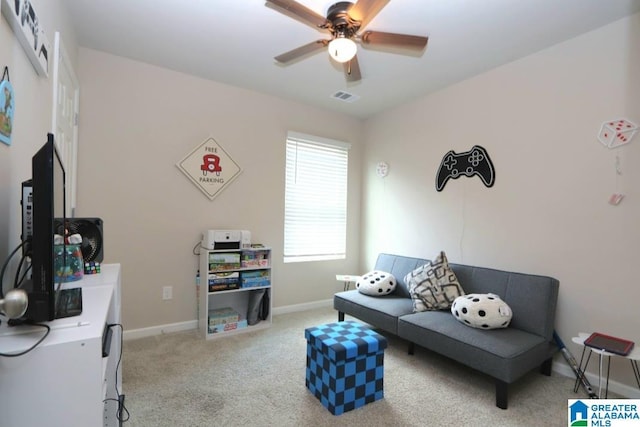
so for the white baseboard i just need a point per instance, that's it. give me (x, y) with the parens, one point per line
(159, 330)
(303, 307)
(614, 386)
(193, 324)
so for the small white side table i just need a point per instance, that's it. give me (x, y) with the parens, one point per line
(633, 357)
(347, 279)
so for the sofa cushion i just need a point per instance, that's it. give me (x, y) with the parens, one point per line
(525, 294)
(376, 283)
(434, 285)
(506, 354)
(399, 266)
(382, 313)
(483, 311)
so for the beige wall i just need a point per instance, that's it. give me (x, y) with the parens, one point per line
(137, 121)
(547, 213)
(32, 120)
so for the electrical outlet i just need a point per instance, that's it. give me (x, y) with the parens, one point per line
(167, 292)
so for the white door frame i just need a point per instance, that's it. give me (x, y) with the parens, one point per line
(68, 151)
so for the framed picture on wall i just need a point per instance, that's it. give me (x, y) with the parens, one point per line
(7, 107)
(23, 19)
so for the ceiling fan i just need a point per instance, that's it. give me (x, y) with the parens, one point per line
(345, 21)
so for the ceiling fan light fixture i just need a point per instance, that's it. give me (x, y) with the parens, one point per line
(342, 49)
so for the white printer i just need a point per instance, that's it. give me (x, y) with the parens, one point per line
(226, 239)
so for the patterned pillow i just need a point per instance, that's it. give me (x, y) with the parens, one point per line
(376, 283)
(433, 286)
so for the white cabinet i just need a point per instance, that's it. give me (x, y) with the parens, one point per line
(64, 381)
(233, 282)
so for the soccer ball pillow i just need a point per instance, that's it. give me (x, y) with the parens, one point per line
(376, 283)
(482, 311)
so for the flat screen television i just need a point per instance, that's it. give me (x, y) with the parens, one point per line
(48, 204)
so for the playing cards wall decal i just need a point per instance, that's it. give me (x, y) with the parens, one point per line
(475, 162)
(615, 133)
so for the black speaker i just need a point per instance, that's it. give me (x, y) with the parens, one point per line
(91, 230)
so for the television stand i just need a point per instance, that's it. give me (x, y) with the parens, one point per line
(65, 381)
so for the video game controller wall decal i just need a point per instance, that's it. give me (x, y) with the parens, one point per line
(475, 162)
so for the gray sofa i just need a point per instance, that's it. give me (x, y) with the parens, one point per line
(505, 354)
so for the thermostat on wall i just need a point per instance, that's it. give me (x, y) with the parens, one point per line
(382, 169)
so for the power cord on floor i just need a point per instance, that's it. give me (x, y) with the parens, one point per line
(122, 413)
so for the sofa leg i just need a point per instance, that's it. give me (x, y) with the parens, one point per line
(340, 316)
(411, 348)
(545, 368)
(501, 394)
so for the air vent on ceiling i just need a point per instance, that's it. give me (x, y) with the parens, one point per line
(345, 96)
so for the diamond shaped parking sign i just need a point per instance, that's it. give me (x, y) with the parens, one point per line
(209, 167)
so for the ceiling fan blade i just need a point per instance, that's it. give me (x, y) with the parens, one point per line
(301, 51)
(392, 39)
(352, 70)
(365, 10)
(296, 10)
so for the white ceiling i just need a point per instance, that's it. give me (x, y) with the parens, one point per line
(235, 41)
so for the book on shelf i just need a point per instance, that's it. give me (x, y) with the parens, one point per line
(223, 281)
(223, 287)
(227, 327)
(224, 261)
(255, 259)
(221, 316)
(252, 279)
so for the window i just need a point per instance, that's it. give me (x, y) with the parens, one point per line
(315, 212)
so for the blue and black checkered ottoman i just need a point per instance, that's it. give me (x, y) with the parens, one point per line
(345, 365)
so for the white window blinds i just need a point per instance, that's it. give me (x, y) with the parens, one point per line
(315, 219)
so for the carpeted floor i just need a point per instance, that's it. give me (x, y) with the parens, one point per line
(257, 379)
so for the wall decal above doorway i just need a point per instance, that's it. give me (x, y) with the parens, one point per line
(209, 167)
(475, 162)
